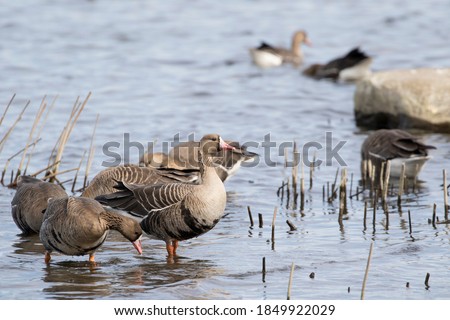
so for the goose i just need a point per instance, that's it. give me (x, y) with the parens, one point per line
(395, 145)
(266, 56)
(104, 181)
(177, 211)
(79, 226)
(185, 156)
(30, 201)
(354, 66)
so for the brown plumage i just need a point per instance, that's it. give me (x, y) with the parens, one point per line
(30, 202)
(79, 226)
(395, 145)
(103, 182)
(177, 211)
(267, 55)
(185, 156)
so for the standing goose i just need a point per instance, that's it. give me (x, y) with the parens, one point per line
(30, 202)
(104, 181)
(79, 226)
(395, 145)
(266, 56)
(355, 65)
(185, 156)
(177, 211)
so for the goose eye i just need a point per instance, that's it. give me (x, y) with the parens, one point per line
(214, 139)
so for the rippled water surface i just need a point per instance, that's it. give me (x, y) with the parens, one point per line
(158, 68)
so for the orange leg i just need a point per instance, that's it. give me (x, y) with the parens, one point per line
(91, 257)
(48, 257)
(171, 247)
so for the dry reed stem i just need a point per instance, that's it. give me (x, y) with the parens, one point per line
(291, 276)
(75, 114)
(260, 219)
(30, 136)
(250, 216)
(78, 170)
(13, 156)
(8, 133)
(38, 135)
(401, 185)
(273, 223)
(263, 269)
(387, 173)
(42, 170)
(366, 274)
(292, 227)
(444, 172)
(6, 109)
(434, 216)
(91, 154)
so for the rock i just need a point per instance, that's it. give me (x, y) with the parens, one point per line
(416, 98)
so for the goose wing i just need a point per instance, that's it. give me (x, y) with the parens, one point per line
(140, 200)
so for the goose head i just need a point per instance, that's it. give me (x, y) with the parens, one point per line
(211, 144)
(300, 37)
(132, 231)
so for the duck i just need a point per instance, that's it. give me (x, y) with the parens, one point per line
(185, 156)
(397, 146)
(105, 180)
(30, 201)
(78, 226)
(353, 66)
(177, 211)
(266, 55)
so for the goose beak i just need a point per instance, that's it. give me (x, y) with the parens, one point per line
(137, 245)
(226, 146)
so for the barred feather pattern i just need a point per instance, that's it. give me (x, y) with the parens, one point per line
(30, 201)
(393, 143)
(79, 226)
(104, 182)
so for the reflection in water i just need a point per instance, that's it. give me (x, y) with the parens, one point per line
(30, 244)
(75, 280)
(121, 278)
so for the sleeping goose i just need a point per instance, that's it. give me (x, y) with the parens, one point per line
(267, 56)
(355, 65)
(30, 202)
(185, 156)
(79, 226)
(395, 145)
(104, 181)
(177, 211)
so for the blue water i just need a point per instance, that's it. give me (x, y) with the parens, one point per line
(156, 69)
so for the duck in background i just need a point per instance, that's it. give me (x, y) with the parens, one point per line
(397, 146)
(354, 66)
(266, 56)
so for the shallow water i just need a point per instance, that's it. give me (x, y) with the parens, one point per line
(156, 69)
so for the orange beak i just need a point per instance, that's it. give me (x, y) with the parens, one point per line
(137, 245)
(226, 146)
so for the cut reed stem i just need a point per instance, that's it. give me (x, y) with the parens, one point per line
(366, 274)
